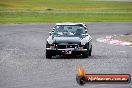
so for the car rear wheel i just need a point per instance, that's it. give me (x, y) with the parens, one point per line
(48, 55)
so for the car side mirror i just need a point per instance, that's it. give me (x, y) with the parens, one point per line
(53, 30)
(50, 33)
(86, 31)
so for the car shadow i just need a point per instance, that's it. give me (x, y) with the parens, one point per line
(68, 57)
(79, 57)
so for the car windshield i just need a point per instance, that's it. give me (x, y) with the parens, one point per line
(69, 30)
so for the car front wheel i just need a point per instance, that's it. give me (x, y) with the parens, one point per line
(48, 55)
(85, 54)
(90, 51)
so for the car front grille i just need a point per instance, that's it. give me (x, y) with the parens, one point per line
(67, 46)
(61, 46)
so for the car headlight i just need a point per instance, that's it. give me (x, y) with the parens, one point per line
(50, 40)
(83, 41)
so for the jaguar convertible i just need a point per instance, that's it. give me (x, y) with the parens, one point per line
(69, 39)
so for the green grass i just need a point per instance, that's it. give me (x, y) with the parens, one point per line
(27, 11)
(27, 17)
(31, 5)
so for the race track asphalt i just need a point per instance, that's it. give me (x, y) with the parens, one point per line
(23, 63)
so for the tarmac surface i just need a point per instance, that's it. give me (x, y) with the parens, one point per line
(23, 63)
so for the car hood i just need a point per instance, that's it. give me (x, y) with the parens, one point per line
(67, 40)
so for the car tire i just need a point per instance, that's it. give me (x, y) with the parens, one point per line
(85, 54)
(48, 55)
(90, 51)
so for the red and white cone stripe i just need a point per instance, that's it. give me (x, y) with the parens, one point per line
(109, 40)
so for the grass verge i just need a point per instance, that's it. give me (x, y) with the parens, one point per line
(28, 11)
(28, 17)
